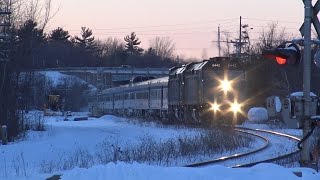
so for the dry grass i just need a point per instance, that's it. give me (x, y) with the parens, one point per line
(148, 150)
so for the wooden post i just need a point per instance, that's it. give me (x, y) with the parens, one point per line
(4, 135)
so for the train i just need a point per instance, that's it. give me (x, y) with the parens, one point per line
(210, 91)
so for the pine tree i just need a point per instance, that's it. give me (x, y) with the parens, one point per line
(86, 40)
(59, 35)
(28, 40)
(132, 44)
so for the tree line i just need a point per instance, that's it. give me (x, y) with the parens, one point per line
(35, 49)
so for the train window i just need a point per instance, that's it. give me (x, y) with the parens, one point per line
(129, 96)
(165, 93)
(142, 95)
(118, 97)
(159, 94)
(138, 95)
(153, 94)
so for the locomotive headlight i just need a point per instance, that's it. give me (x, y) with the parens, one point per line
(225, 85)
(215, 107)
(235, 107)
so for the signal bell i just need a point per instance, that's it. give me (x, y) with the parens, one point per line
(284, 55)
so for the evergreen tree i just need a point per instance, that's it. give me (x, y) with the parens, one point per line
(28, 41)
(132, 44)
(86, 40)
(59, 35)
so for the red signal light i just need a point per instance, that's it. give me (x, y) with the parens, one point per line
(281, 60)
(283, 56)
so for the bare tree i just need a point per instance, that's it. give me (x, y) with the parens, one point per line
(40, 11)
(109, 47)
(226, 49)
(26, 15)
(164, 47)
(270, 37)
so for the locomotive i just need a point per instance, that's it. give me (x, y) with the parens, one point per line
(211, 91)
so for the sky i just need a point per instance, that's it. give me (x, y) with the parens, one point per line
(191, 24)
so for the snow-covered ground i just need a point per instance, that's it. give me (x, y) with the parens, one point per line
(63, 138)
(122, 171)
(39, 152)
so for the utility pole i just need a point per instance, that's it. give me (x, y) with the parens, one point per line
(219, 41)
(238, 42)
(240, 36)
(5, 12)
(305, 154)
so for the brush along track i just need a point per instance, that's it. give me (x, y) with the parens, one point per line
(226, 160)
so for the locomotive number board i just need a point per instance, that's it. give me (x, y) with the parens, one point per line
(225, 66)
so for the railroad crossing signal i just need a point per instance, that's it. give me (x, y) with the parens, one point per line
(310, 17)
(284, 55)
(315, 21)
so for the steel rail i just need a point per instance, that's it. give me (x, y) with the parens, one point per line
(234, 156)
(271, 159)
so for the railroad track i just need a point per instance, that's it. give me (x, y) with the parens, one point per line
(226, 160)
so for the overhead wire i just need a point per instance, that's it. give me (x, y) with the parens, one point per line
(270, 20)
(156, 26)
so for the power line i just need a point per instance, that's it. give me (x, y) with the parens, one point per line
(157, 34)
(270, 20)
(161, 30)
(164, 25)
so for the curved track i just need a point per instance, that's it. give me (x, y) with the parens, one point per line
(293, 138)
(267, 144)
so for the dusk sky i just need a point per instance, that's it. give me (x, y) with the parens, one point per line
(192, 24)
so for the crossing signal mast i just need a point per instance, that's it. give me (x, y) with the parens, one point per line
(290, 55)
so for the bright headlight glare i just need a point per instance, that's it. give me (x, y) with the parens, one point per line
(215, 107)
(236, 107)
(225, 85)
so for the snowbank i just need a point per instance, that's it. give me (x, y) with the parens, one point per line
(301, 94)
(277, 103)
(121, 171)
(258, 114)
(57, 78)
